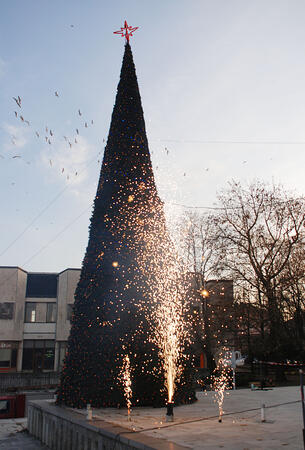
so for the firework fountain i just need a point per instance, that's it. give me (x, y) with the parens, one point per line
(125, 379)
(168, 313)
(221, 381)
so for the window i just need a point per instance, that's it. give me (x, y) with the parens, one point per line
(62, 350)
(51, 312)
(49, 353)
(4, 406)
(40, 312)
(41, 285)
(69, 311)
(30, 312)
(5, 357)
(7, 311)
(38, 355)
(8, 355)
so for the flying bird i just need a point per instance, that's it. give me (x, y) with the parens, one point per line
(18, 101)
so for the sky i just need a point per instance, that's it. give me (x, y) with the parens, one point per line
(222, 88)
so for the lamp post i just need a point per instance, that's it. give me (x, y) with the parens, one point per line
(204, 293)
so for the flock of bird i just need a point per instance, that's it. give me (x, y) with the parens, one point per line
(48, 132)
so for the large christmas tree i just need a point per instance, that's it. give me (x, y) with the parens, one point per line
(123, 262)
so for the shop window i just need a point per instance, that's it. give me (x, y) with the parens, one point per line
(7, 310)
(49, 354)
(8, 357)
(5, 357)
(27, 357)
(38, 355)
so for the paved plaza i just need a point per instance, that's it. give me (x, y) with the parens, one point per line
(14, 436)
(196, 426)
(242, 430)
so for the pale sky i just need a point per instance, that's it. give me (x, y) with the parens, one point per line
(223, 89)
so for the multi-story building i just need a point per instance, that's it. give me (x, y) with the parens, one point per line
(36, 308)
(35, 312)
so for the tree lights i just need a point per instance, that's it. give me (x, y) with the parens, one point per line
(125, 260)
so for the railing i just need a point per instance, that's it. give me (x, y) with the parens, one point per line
(10, 382)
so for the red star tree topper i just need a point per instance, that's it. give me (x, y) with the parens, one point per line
(126, 31)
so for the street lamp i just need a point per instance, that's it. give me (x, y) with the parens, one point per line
(204, 293)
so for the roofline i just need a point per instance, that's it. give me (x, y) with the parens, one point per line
(45, 273)
(13, 267)
(70, 268)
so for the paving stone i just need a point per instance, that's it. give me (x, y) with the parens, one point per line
(21, 441)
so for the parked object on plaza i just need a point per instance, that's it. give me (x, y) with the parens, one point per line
(12, 406)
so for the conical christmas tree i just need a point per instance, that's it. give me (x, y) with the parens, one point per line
(122, 262)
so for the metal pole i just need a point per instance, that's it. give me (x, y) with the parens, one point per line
(89, 412)
(263, 416)
(234, 380)
(303, 404)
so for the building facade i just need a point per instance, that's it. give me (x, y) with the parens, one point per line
(35, 312)
(36, 308)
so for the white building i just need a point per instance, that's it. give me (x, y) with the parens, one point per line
(35, 311)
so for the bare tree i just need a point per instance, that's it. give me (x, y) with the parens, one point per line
(260, 227)
(203, 257)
